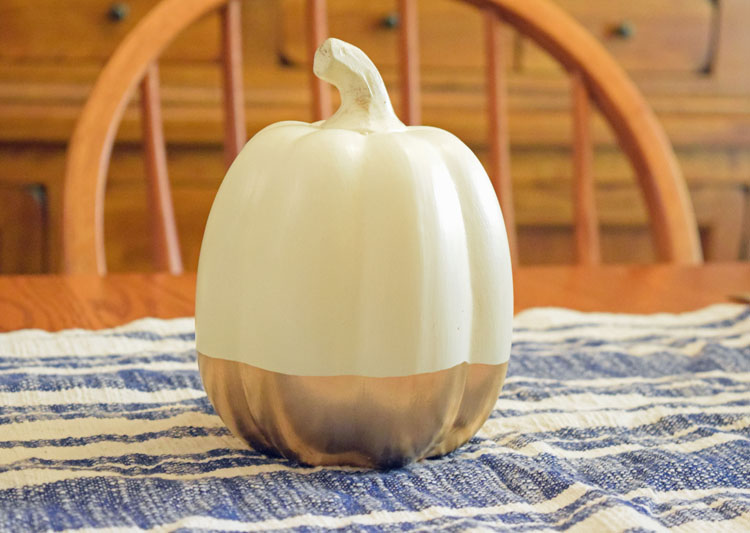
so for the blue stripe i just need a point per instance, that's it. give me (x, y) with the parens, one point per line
(666, 343)
(582, 440)
(160, 414)
(132, 379)
(501, 413)
(619, 364)
(92, 361)
(95, 409)
(147, 335)
(190, 460)
(521, 391)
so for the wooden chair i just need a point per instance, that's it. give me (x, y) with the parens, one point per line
(595, 79)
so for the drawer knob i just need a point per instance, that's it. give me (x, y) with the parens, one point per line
(624, 30)
(390, 21)
(118, 11)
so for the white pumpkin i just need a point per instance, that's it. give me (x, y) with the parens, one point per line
(354, 246)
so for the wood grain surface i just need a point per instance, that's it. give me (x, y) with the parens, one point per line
(58, 302)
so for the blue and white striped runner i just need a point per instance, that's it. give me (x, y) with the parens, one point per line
(606, 423)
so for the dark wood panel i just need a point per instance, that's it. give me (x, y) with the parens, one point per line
(23, 247)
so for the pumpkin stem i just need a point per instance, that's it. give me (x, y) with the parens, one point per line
(365, 105)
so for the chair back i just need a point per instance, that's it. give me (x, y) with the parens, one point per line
(595, 80)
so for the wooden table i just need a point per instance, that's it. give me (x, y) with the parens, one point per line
(58, 302)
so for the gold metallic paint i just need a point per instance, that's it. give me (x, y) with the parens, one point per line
(352, 420)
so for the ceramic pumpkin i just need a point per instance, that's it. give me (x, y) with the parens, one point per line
(354, 300)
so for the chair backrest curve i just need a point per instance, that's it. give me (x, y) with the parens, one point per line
(599, 77)
(91, 144)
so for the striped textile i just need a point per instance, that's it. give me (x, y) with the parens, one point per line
(606, 423)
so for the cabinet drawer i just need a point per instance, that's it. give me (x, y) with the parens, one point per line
(643, 35)
(451, 33)
(89, 29)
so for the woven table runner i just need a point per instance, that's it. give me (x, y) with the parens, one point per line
(606, 423)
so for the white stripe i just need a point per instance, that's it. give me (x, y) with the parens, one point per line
(111, 461)
(159, 326)
(86, 396)
(42, 410)
(740, 342)
(89, 427)
(157, 366)
(738, 524)
(617, 518)
(542, 318)
(91, 346)
(32, 343)
(671, 496)
(155, 447)
(535, 326)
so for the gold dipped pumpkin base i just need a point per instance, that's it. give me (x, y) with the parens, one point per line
(352, 420)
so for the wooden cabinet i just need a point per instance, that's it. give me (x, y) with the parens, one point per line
(688, 57)
(80, 30)
(671, 37)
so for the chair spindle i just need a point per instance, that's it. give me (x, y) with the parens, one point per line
(165, 242)
(409, 62)
(497, 111)
(317, 32)
(235, 133)
(588, 250)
